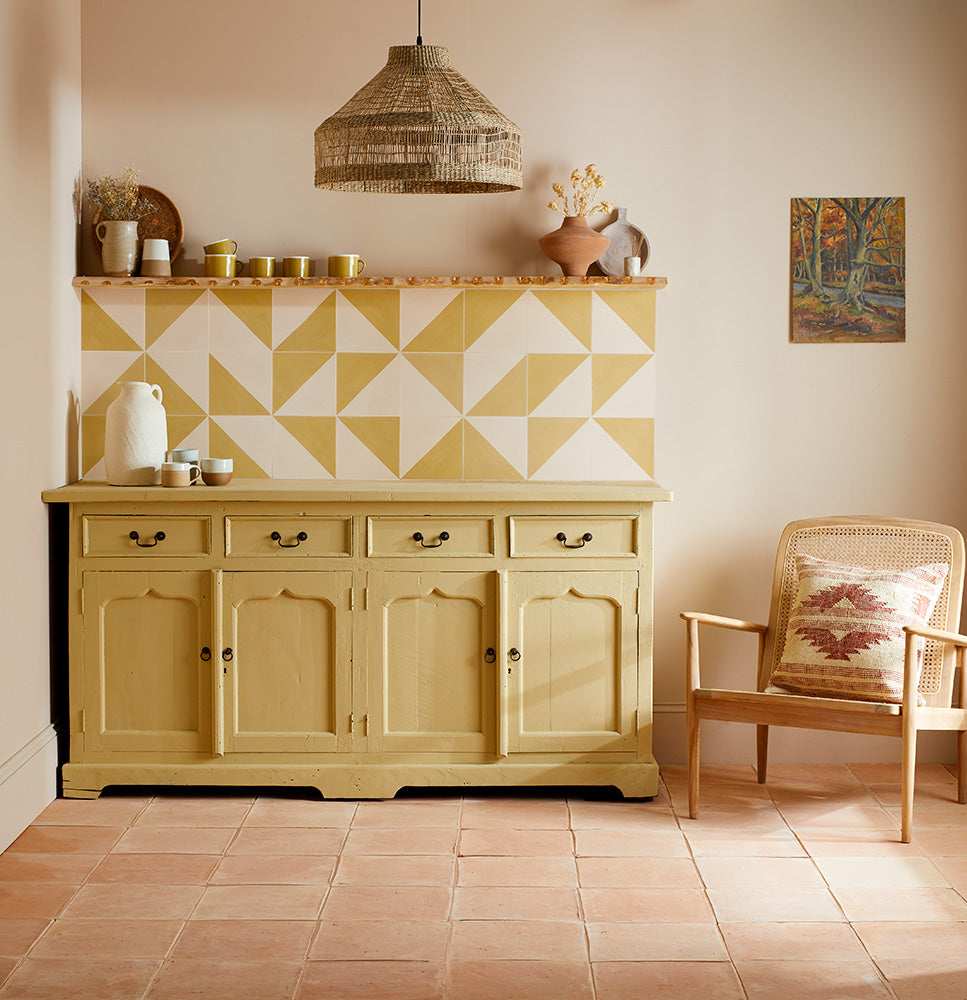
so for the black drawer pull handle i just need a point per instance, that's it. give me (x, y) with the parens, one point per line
(514, 654)
(418, 537)
(159, 536)
(299, 539)
(227, 654)
(562, 538)
(206, 653)
(491, 655)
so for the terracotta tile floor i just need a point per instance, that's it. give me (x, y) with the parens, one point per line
(797, 889)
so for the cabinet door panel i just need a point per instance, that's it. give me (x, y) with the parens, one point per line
(287, 682)
(573, 686)
(147, 681)
(432, 682)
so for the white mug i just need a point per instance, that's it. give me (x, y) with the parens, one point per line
(155, 250)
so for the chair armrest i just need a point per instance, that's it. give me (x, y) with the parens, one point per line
(954, 638)
(719, 622)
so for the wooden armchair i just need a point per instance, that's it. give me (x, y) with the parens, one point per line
(881, 544)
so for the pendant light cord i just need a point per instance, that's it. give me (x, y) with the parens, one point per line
(419, 22)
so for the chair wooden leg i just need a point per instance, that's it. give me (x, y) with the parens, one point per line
(761, 752)
(692, 727)
(962, 767)
(907, 772)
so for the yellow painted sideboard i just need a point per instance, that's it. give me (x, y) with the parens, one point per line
(360, 637)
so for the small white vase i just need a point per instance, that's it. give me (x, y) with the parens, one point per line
(119, 247)
(135, 436)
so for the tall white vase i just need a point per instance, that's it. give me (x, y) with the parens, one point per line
(135, 436)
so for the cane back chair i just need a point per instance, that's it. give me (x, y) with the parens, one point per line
(876, 543)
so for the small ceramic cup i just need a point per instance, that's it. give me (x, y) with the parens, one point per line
(261, 267)
(155, 261)
(346, 265)
(295, 267)
(632, 267)
(220, 265)
(189, 455)
(216, 471)
(222, 246)
(178, 473)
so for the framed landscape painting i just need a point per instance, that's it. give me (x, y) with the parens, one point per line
(848, 271)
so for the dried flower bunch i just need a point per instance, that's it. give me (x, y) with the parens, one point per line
(119, 197)
(585, 189)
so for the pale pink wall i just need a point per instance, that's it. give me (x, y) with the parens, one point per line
(705, 116)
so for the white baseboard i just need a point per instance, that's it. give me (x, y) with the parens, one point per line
(28, 784)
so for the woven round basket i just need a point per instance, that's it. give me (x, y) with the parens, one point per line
(418, 127)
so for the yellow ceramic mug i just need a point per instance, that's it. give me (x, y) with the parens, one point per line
(220, 265)
(346, 265)
(261, 267)
(295, 267)
(222, 246)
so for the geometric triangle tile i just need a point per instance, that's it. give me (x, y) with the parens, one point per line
(227, 394)
(420, 435)
(495, 448)
(635, 436)
(444, 372)
(381, 307)
(316, 397)
(308, 324)
(188, 432)
(545, 372)
(610, 372)
(164, 307)
(100, 373)
(304, 448)
(609, 461)
(570, 460)
(572, 395)
(635, 398)
(355, 371)
(495, 385)
(355, 459)
(547, 435)
(483, 309)
(417, 396)
(92, 441)
(431, 320)
(102, 332)
(444, 460)
(573, 310)
(183, 378)
(381, 435)
(637, 311)
(253, 307)
(610, 334)
(245, 440)
(290, 371)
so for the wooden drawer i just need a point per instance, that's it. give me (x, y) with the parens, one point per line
(440, 535)
(175, 535)
(540, 536)
(288, 535)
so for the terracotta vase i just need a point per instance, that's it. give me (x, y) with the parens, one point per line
(575, 246)
(119, 247)
(135, 436)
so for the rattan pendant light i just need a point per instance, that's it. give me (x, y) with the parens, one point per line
(418, 127)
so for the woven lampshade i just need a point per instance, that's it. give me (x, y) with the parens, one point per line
(418, 127)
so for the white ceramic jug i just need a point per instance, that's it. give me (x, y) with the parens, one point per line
(135, 436)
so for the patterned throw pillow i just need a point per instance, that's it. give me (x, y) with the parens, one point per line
(845, 635)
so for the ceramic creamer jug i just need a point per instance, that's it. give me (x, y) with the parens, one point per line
(135, 436)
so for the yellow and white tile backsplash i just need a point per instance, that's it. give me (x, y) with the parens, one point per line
(384, 383)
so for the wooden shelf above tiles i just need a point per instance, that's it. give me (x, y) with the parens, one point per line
(537, 281)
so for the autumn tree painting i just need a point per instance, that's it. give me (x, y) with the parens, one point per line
(848, 270)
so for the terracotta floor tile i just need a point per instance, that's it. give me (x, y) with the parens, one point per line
(841, 841)
(350, 902)
(183, 978)
(774, 903)
(245, 940)
(882, 873)
(677, 873)
(66, 840)
(629, 844)
(26, 899)
(172, 840)
(268, 811)
(511, 871)
(864, 817)
(934, 813)
(677, 774)
(724, 873)
(926, 774)
(633, 816)
(372, 981)
(130, 902)
(7, 965)
(954, 870)
(516, 843)
(497, 980)
(646, 905)
(891, 795)
(406, 815)
(833, 942)
(941, 842)
(17, 934)
(270, 869)
(812, 775)
(656, 942)
(901, 904)
(260, 902)
(60, 978)
(108, 810)
(423, 840)
(535, 940)
(812, 980)
(515, 814)
(424, 870)
(922, 940)
(923, 979)
(107, 939)
(265, 840)
(195, 811)
(69, 868)
(155, 869)
(725, 844)
(514, 903)
(666, 981)
(380, 940)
